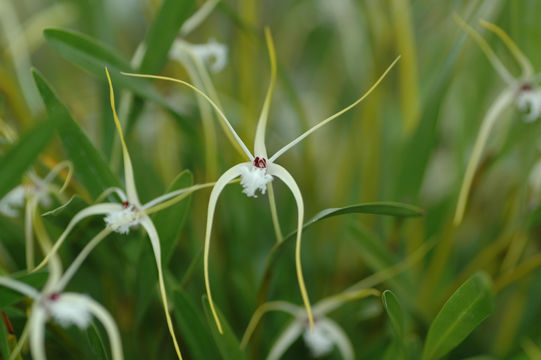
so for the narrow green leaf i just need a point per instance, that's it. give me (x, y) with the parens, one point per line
(163, 31)
(96, 343)
(169, 222)
(459, 316)
(4, 342)
(17, 159)
(395, 312)
(9, 297)
(193, 328)
(94, 57)
(377, 208)
(90, 167)
(227, 343)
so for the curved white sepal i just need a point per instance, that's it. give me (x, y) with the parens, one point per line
(286, 339)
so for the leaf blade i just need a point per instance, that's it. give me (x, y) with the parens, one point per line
(459, 316)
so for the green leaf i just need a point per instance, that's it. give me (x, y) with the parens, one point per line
(459, 316)
(169, 222)
(17, 159)
(4, 342)
(395, 312)
(90, 167)
(94, 57)
(227, 343)
(163, 31)
(96, 343)
(377, 208)
(9, 297)
(380, 208)
(193, 329)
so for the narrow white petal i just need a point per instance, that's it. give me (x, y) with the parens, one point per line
(72, 269)
(226, 177)
(110, 326)
(128, 169)
(200, 15)
(525, 64)
(37, 321)
(501, 102)
(496, 63)
(286, 339)
(262, 310)
(332, 117)
(155, 241)
(333, 302)
(212, 103)
(19, 286)
(259, 147)
(285, 176)
(338, 337)
(89, 211)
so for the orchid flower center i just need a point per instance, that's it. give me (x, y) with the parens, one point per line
(122, 220)
(255, 177)
(67, 311)
(318, 341)
(529, 101)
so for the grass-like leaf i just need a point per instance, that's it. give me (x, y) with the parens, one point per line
(395, 312)
(163, 31)
(94, 57)
(227, 343)
(193, 328)
(90, 167)
(459, 316)
(17, 159)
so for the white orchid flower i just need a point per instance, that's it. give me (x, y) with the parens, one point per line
(37, 192)
(326, 333)
(121, 217)
(522, 90)
(257, 173)
(213, 53)
(65, 308)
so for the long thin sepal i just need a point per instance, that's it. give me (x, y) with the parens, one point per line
(202, 93)
(525, 64)
(155, 242)
(128, 168)
(37, 333)
(285, 176)
(262, 310)
(89, 211)
(496, 63)
(215, 193)
(338, 337)
(497, 107)
(259, 146)
(286, 339)
(330, 118)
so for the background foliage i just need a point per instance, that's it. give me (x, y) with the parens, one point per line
(409, 142)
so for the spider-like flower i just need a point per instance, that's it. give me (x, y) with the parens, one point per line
(37, 192)
(522, 90)
(257, 173)
(65, 308)
(326, 333)
(121, 216)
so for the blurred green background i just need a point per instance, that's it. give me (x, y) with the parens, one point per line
(408, 142)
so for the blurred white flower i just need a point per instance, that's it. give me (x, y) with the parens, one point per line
(260, 170)
(12, 202)
(521, 90)
(65, 308)
(326, 333)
